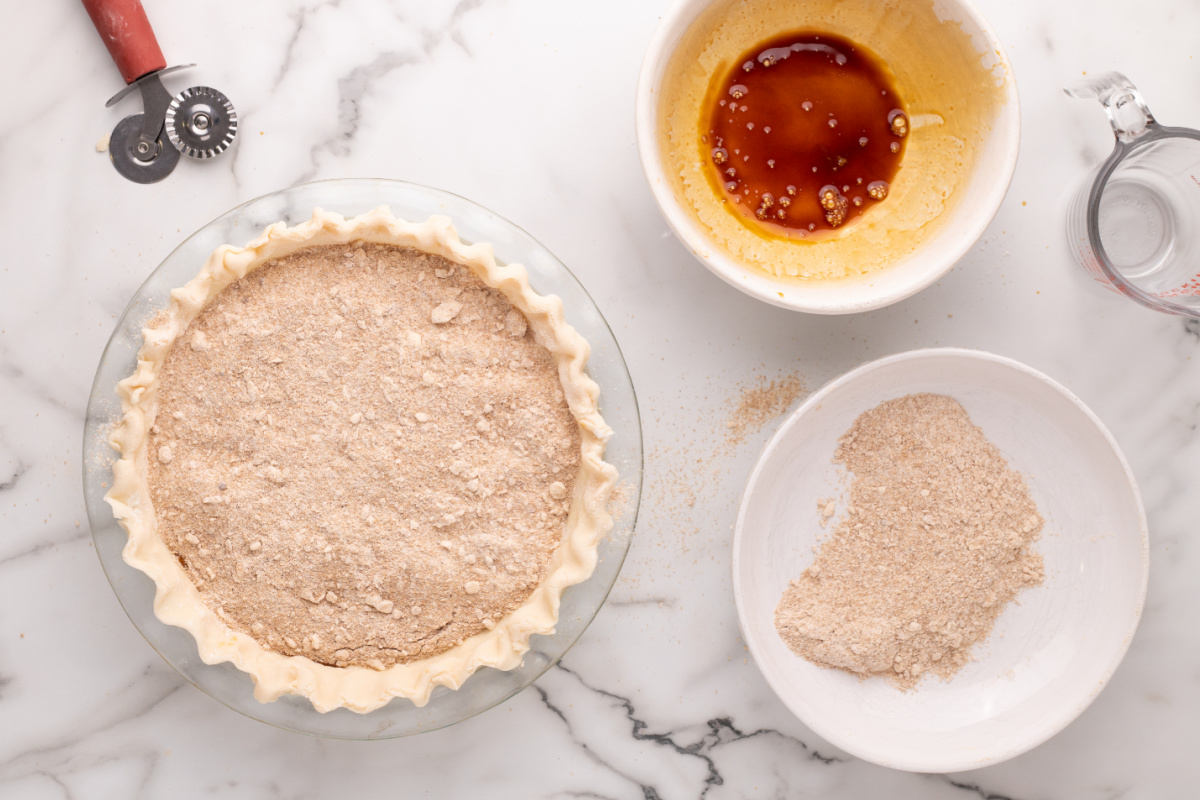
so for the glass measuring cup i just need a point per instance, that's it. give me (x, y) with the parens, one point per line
(1134, 224)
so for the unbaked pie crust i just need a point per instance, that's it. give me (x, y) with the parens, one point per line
(178, 601)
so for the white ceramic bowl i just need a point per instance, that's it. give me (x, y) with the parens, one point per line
(981, 195)
(1048, 656)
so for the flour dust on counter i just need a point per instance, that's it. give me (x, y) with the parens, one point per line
(760, 402)
(692, 462)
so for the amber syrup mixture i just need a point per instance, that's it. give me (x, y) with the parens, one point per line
(804, 134)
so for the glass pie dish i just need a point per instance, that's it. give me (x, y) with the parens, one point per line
(580, 603)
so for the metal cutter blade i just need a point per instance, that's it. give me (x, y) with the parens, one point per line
(137, 157)
(201, 122)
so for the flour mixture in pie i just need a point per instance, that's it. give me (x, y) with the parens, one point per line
(362, 455)
(360, 459)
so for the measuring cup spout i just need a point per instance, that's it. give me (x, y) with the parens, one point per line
(1123, 103)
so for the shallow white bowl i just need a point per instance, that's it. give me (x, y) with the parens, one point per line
(1048, 656)
(983, 192)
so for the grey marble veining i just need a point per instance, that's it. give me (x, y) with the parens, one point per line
(526, 107)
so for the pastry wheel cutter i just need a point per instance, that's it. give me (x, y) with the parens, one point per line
(199, 122)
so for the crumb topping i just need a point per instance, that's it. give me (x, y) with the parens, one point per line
(362, 455)
(938, 538)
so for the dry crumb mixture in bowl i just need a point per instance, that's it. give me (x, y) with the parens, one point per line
(939, 560)
(408, 437)
(939, 535)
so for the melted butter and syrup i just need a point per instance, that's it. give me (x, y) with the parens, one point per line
(804, 134)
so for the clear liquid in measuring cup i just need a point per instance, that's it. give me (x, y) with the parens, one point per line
(1147, 211)
(1133, 224)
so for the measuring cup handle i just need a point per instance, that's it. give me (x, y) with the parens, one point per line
(127, 34)
(1123, 103)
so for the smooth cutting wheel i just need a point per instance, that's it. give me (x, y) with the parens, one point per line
(201, 122)
(136, 159)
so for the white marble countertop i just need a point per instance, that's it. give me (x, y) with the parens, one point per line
(526, 107)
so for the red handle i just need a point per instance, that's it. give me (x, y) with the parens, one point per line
(127, 34)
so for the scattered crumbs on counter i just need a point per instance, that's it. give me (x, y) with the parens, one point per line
(759, 403)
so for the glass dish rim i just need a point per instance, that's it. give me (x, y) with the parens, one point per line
(621, 533)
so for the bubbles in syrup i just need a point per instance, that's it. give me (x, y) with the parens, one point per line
(800, 170)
